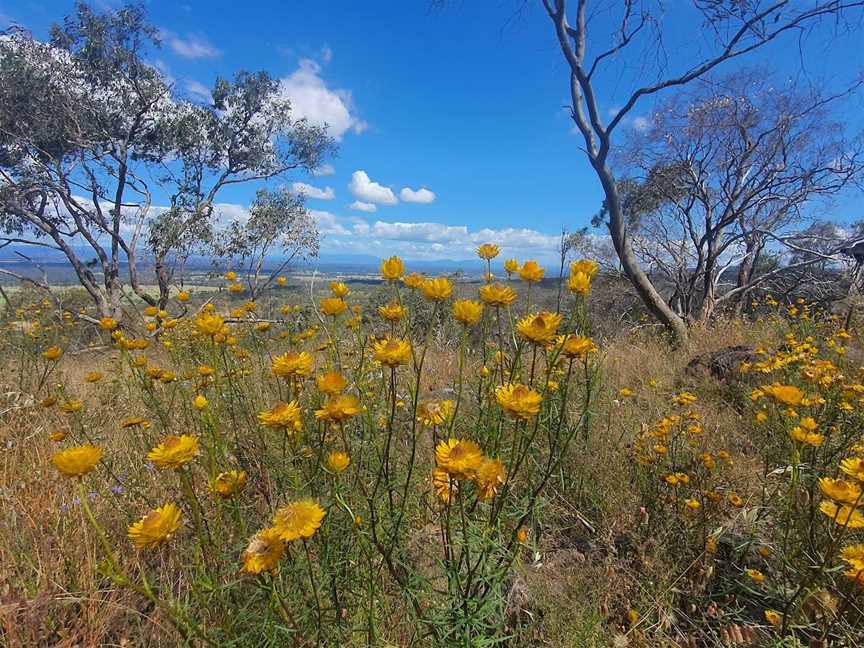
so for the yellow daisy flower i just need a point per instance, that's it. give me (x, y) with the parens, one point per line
(338, 461)
(490, 475)
(438, 289)
(445, 488)
(392, 312)
(155, 528)
(392, 352)
(488, 251)
(339, 289)
(531, 271)
(263, 552)
(339, 408)
(331, 382)
(577, 346)
(77, 461)
(333, 306)
(393, 268)
(459, 458)
(52, 353)
(174, 451)
(497, 295)
(467, 311)
(300, 519)
(292, 364)
(228, 484)
(435, 412)
(283, 416)
(539, 328)
(844, 515)
(518, 400)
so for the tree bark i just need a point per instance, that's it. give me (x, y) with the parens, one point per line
(650, 296)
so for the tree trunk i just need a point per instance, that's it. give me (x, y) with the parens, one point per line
(652, 299)
(745, 274)
(163, 279)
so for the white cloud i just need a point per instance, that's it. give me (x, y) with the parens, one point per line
(164, 70)
(641, 123)
(192, 47)
(311, 191)
(324, 170)
(516, 238)
(428, 232)
(328, 224)
(198, 91)
(359, 205)
(361, 228)
(429, 240)
(313, 100)
(422, 195)
(368, 191)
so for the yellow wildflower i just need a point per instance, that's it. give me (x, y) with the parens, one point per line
(467, 311)
(392, 269)
(77, 461)
(497, 295)
(155, 528)
(488, 251)
(518, 400)
(539, 328)
(292, 364)
(298, 520)
(339, 408)
(531, 272)
(392, 352)
(438, 289)
(174, 451)
(283, 416)
(228, 484)
(435, 412)
(338, 461)
(459, 458)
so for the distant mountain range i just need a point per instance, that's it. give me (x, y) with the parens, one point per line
(54, 262)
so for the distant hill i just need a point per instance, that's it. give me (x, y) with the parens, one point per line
(59, 271)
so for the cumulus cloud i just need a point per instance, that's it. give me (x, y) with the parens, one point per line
(430, 240)
(313, 100)
(422, 195)
(328, 224)
(192, 47)
(324, 170)
(359, 205)
(428, 232)
(366, 190)
(311, 191)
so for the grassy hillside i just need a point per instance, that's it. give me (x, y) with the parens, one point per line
(411, 470)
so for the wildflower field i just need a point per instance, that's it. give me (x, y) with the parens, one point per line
(426, 462)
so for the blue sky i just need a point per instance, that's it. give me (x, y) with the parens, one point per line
(466, 102)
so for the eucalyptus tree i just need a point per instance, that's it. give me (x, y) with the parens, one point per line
(278, 228)
(101, 161)
(727, 170)
(725, 31)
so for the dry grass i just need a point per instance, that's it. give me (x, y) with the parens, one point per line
(583, 568)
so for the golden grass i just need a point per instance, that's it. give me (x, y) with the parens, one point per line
(586, 564)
